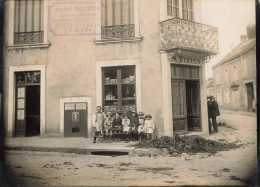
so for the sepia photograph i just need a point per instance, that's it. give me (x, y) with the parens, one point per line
(129, 93)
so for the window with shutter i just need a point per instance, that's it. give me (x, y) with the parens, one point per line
(28, 21)
(117, 19)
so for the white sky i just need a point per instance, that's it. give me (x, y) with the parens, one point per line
(231, 17)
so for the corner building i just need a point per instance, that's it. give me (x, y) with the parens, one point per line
(133, 54)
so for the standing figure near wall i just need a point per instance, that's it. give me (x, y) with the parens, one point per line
(149, 126)
(97, 123)
(213, 111)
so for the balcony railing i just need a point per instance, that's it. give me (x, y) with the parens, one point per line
(182, 34)
(28, 37)
(118, 31)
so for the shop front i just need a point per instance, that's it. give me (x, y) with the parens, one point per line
(185, 77)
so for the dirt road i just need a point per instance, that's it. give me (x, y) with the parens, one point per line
(232, 167)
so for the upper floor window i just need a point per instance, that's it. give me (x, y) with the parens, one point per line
(235, 73)
(117, 19)
(226, 76)
(173, 8)
(187, 10)
(180, 9)
(28, 21)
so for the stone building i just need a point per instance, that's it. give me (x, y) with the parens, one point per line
(63, 58)
(235, 75)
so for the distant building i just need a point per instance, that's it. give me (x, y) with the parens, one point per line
(234, 76)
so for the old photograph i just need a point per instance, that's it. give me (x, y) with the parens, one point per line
(129, 93)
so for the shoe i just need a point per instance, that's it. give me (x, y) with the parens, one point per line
(94, 141)
(211, 133)
(215, 131)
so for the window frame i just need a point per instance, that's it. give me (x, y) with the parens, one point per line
(11, 29)
(119, 83)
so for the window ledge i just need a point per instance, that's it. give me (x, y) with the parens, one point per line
(118, 40)
(28, 46)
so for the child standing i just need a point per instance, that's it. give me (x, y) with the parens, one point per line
(126, 126)
(107, 127)
(134, 123)
(141, 129)
(97, 123)
(149, 126)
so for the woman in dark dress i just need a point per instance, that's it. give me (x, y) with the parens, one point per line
(117, 126)
(134, 123)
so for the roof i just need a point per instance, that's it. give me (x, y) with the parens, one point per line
(239, 50)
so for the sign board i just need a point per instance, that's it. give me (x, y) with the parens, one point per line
(181, 59)
(69, 106)
(81, 106)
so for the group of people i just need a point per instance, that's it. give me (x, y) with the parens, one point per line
(130, 125)
(213, 112)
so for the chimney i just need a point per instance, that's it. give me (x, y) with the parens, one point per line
(250, 31)
(243, 38)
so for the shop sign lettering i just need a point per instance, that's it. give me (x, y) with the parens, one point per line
(179, 59)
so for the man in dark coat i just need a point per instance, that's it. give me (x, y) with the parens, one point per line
(213, 112)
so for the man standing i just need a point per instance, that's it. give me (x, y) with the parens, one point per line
(209, 112)
(97, 123)
(213, 112)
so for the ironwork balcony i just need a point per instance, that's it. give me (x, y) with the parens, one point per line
(28, 37)
(118, 31)
(183, 34)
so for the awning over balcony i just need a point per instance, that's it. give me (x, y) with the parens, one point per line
(187, 35)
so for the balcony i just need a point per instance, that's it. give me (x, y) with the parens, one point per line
(187, 35)
(118, 31)
(28, 37)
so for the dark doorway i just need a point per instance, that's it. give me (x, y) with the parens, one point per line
(32, 110)
(250, 96)
(193, 105)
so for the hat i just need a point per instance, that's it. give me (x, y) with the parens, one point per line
(148, 115)
(140, 113)
(109, 113)
(211, 97)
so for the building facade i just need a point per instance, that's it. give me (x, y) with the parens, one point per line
(63, 58)
(235, 76)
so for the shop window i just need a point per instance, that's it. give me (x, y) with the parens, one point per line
(117, 19)
(173, 8)
(28, 22)
(119, 88)
(187, 10)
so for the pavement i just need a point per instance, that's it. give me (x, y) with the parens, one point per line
(85, 145)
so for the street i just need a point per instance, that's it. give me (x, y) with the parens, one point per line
(232, 167)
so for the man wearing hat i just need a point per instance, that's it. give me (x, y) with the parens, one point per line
(213, 112)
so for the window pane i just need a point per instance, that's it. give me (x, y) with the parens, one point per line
(21, 92)
(109, 13)
(20, 114)
(20, 103)
(184, 4)
(16, 22)
(169, 2)
(169, 10)
(117, 12)
(42, 15)
(22, 16)
(125, 12)
(36, 17)
(29, 15)
(132, 21)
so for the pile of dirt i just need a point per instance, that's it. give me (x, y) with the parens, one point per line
(186, 144)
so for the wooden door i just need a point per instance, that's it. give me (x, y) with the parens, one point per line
(179, 106)
(20, 117)
(193, 105)
(250, 96)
